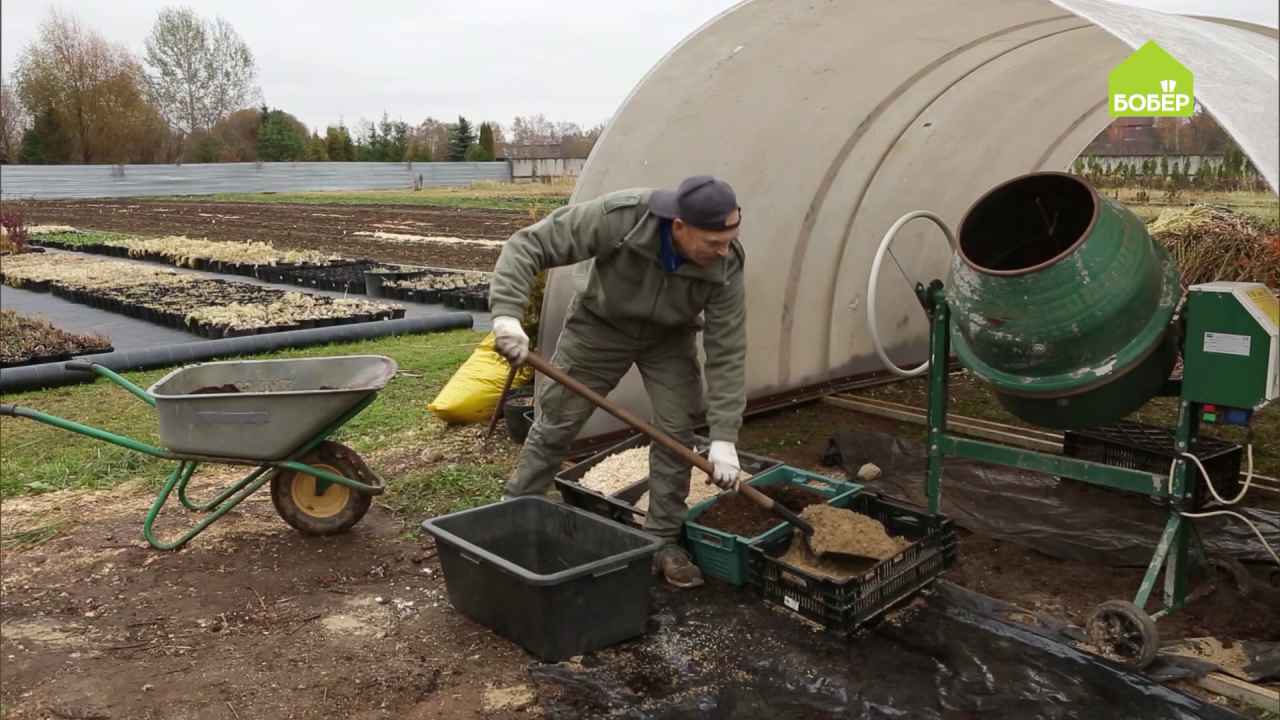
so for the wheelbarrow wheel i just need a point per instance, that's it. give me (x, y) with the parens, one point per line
(332, 511)
(1124, 632)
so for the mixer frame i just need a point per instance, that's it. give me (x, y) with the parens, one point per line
(1123, 630)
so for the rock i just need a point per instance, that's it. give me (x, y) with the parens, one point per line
(868, 472)
(148, 687)
(380, 600)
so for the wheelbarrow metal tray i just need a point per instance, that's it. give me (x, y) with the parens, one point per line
(279, 406)
(555, 579)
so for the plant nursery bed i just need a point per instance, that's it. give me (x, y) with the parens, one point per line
(30, 341)
(206, 307)
(463, 289)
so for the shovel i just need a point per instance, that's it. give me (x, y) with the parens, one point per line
(537, 362)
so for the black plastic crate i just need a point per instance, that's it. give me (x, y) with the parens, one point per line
(1151, 449)
(620, 506)
(842, 606)
(557, 580)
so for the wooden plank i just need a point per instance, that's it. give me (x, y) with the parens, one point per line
(957, 427)
(1260, 482)
(965, 419)
(1245, 692)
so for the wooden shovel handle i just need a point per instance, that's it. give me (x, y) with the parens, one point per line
(502, 400)
(537, 362)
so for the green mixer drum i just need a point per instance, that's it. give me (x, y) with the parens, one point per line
(1062, 301)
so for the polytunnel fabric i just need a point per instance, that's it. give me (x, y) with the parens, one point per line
(905, 105)
(1061, 518)
(719, 654)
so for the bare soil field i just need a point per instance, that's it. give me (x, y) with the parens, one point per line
(252, 621)
(330, 229)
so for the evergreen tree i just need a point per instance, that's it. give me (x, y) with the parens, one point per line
(45, 141)
(395, 140)
(278, 139)
(317, 149)
(338, 144)
(461, 137)
(486, 142)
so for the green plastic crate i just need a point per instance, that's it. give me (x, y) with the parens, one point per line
(724, 555)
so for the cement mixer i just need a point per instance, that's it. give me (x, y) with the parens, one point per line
(1059, 299)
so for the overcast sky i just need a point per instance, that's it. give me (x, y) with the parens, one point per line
(323, 61)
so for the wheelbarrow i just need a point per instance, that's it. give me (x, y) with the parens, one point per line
(275, 414)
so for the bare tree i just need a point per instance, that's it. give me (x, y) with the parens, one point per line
(433, 134)
(533, 130)
(13, 121)
(91, 90)
(200, 70)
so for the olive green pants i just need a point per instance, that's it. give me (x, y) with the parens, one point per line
(597, 355)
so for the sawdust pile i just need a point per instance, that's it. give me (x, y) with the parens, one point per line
(835, 568)
(1211, 242)
(850, 533)
(618, 471)
(621, 470)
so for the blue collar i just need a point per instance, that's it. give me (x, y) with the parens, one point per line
(671, 260)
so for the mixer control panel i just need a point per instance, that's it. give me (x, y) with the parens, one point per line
(1231, 351)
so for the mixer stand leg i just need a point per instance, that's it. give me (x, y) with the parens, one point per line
(1171, 554)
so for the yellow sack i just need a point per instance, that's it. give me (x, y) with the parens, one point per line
(474, 390)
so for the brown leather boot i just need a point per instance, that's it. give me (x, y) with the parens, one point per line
(676, 567)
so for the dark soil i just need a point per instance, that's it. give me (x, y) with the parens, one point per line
(736, 514)
(301, 227)
(216, 389)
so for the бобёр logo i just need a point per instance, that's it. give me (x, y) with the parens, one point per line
(1151, 83)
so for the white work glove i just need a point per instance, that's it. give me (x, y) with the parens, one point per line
(724, 456)
(509, 339)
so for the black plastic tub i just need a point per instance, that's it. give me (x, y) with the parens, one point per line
(557, 580)
(518, 412)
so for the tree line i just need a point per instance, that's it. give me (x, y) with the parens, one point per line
(75, 97)
(1235, 171)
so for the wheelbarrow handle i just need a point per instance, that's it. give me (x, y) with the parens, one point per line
(8, 409)
(113, 376)
(539, 363)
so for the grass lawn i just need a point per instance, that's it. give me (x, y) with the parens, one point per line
(536, 197)
(397, 426)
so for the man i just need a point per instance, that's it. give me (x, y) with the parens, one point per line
(662, 259)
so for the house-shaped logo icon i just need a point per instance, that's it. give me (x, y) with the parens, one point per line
(1151, 83)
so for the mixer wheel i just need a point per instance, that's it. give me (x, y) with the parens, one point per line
(1122, 631)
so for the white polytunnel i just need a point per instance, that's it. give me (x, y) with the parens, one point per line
(834, 118)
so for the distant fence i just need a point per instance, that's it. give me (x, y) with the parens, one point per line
(51, 182)
(536, 169)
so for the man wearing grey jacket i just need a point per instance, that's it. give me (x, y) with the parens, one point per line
(666, 265)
